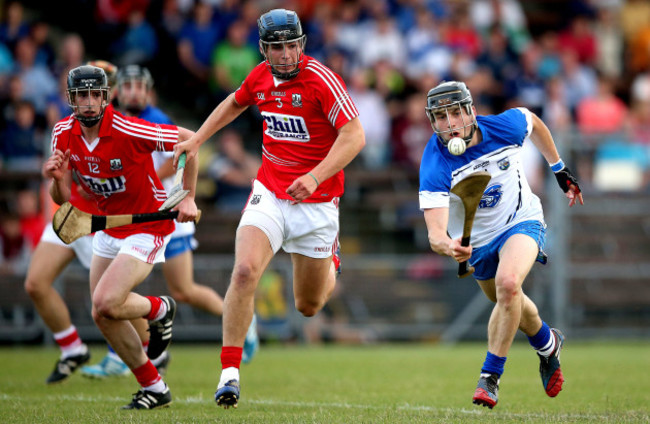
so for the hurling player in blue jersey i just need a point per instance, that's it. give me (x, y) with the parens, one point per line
(509, 231)
(134, 85)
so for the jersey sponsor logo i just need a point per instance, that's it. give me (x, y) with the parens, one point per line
(256, 199)
(481, 165)
(105, 186)
(260, 96)
(278, 93)
(504, 163)
(286, 127)
(296, 100)
(325, 249)
(116, 164)
(491, 196)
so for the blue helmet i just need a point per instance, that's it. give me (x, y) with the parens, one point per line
(281, 26)
(87, 78)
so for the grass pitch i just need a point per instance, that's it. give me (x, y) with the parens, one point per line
(409, 383)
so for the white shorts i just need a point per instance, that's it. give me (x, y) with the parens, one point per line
(310, 229)
(145, 247)
(82, 247)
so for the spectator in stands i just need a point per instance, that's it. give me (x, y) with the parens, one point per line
(461, 36)
(14, 247)
(232, 60)
(410, 134)
(507, 14)
(579, 38)
(639, 50)
(634, 15)
(609, 43)
(426, 53)
(580, 81)
(38, 82)
(526, 88)
(195, 44)
(71, 55)
(602, 113)
(22, 143)
(6, 63)
(138, 44)
(555, 111)
(40, 35)
(32, 222)
(14, 26)
(382, 42)
(375, 120)
(233, 170)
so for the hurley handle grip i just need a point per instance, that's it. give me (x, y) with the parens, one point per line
(464, 268)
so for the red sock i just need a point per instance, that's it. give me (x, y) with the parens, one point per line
(231, 356)
(147, 374)
(156, 302)
(69, 340)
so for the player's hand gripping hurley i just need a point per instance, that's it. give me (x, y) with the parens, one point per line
(470, 190)
(70, 223)
(177, 193)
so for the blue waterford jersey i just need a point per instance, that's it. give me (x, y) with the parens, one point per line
(507, 200)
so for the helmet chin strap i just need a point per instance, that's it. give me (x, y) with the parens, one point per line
(90, 121)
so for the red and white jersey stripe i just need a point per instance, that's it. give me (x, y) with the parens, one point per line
(116, 169)
(302, 117)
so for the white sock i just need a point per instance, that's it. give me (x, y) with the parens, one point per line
(158, 387)
(227, 374)
(547, 350)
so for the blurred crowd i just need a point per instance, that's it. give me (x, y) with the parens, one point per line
(582, 65)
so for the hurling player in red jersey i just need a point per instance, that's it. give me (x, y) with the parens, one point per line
(48, 261)
(110, 155)
(311, 132)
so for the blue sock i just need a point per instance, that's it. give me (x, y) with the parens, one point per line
(110, 349)
(541, 339)
(493, 364)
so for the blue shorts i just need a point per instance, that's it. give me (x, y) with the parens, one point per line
(179, 245)
(485, 259)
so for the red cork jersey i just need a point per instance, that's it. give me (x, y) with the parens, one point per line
(301, 121)
(116, 169)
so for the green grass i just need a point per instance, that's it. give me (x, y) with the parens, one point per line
(409, 383)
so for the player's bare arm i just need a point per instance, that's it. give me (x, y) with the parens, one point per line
(56, 167)
(436, 220)
(346, 147)
(543, 140)
(222, 115)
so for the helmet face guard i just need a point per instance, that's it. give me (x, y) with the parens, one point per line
(448, 99)
(278, 29)
(134, 74)
(87, 81)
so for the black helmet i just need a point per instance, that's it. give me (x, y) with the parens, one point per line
(134, 72)
(90, 78)
(281, 26)
(446, 95)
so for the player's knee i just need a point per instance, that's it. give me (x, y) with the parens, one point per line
(308, 308)
(180, 295)
(244, 276)
(104, 308)
(34, 289)
(508, 288)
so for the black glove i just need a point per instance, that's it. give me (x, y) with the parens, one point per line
(565, 178)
